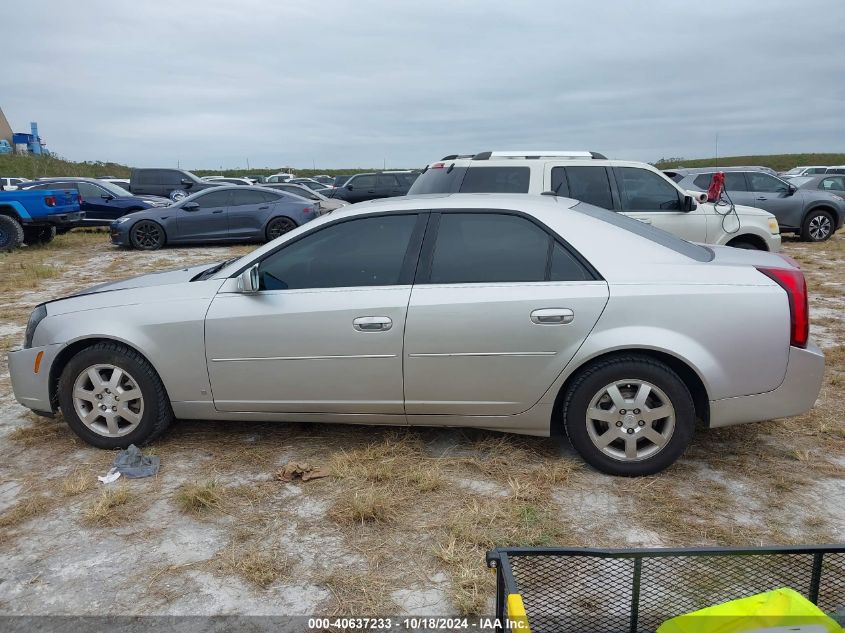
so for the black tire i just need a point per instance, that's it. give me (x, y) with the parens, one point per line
(147, 235)
(591, 381)
(746, 244)
(157, 414)
(818, 226)
(278, 227)
(38, 234)
(11, 233)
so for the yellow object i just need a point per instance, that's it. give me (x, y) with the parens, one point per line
(516, 614)
(774, 229)
(778, 608)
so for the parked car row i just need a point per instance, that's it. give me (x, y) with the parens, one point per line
(814, 170)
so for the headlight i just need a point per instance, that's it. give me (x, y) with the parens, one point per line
(34, 319)
(774, 229)
(121, 220)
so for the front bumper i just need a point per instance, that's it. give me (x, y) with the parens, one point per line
(119, 235)
(60, 219)
(32, 389)
(796, 394)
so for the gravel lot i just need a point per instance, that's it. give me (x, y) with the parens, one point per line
(402, 522)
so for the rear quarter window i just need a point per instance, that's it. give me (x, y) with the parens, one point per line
(496, 180)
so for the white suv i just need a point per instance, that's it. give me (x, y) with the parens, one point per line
(635, 189)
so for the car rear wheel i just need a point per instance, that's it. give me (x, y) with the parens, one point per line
(279, 226)
(112, 397)
(147, 235)
(629, 416)
(39, 234)
(818, 226)
(11, 233)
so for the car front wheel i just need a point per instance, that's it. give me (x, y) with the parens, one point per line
(147, 235)
(112, 397)
(629, 416)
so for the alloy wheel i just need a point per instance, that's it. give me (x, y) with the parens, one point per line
(279, 227)
(147, 235)
(108, 400)
(820, 227)
(630, 420)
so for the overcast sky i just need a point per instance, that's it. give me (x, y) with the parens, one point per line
(210, 83)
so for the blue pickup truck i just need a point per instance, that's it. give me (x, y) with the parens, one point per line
(32, 217)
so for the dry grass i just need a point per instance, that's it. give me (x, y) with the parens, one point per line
(373, 505)
(358, 594)
(25, 510)
(260, 565)
(41, 431)
(76, 483)
(113, 507)
(199, 499)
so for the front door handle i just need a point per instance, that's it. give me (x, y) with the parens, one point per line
(552, 316)
(218, 211)
(761, 199)
(372, 323)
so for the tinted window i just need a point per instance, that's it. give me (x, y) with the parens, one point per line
(758, 181)
(590, 185)
(364, 252)
(445, 179)
(241, 198)
(302, 192)
(496, 180)
(363, 182)
(559, 184)
(146, 177)
(658, 236)
(643, 190)
(735, 181)
(170, 177)
(89, 191)
(833, 183)
(565, 267)
(213, 199)
(387, 181)
(488, 247)
(703, 181)
(407, 179)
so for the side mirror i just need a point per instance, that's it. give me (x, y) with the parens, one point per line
(248, 280)
(107, 197)
(191, 206)
(185, 181)
(349, 187)
(690, 203)
(792, 189)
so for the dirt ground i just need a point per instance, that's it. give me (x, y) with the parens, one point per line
(402, 522)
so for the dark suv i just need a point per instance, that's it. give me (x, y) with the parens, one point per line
(382, 184)
(175, 184)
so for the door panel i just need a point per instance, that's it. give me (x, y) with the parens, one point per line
(209, 221)
(247, 211)
(302, 351)
(772, 194)
(474, 349)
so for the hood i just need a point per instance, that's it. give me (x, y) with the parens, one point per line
(812, 195)
(164, 278)
(742, 209)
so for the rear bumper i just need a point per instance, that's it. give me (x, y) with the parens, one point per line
(32, 390)
(796, 395)
(72, 217)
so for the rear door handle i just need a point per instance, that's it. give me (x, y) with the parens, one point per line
(552, 316)
(762, 199)
(372, 323)
(262, 208)
(218, 211)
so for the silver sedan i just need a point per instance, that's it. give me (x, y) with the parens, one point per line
(534, 315)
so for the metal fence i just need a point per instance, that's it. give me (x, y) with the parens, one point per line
(634, 591)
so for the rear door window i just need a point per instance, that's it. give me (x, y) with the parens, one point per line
(242, 198)
(702, 181)
(387, 181)
(363, 182)
(496, 180)
(833, 183)
(735, 181)
(758, 181)
(590, 185)
(213, 200)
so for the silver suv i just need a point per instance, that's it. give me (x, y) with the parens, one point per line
(635, 189)
(814, 214)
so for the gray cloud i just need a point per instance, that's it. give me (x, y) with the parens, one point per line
(212, 83)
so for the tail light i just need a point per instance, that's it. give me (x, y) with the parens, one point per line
(79, 198)
(792, 280)
(50, 201)
(307, 210)
(437, 166)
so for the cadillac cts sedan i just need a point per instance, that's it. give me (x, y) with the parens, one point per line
(534, 315)
(229, 213)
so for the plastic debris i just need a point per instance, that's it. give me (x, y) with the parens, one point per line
(112, 475)
(301, 470)
(133, 465)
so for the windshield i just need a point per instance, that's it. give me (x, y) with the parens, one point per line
(115, 190)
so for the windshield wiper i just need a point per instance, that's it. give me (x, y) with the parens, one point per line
(208, 272)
